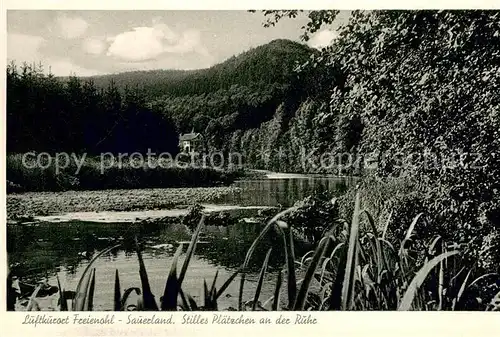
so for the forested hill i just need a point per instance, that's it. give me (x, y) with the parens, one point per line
(240, 95)
(136, 111)
(259, 67)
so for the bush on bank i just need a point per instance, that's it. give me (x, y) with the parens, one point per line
(91, 176)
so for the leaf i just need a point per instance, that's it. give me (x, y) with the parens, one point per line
(336, 291)
(192, 303)
(386, 227)
(226, 284)
(32, 302)
(63, 306)
(412, 226)
(423, 79)
(126, 295)
(190, 250)
(352, 259)
(80, 295)
(482, 277)
(172, 286)
(290, 263)
(456, 300)
(252, 249)
(185, 304)
(276, 300)
(417, 281)
(378, 248)
(212, 288)
(311, 269)
(149, 301)
(261, 280)
(206, 295)
(90, 296)
(117, 294)
(494, 304)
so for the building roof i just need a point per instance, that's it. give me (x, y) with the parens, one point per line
(189, 136)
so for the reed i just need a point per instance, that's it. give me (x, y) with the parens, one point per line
(46, 176)
(351, 270)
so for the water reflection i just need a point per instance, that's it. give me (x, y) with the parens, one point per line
(283, 192)
(42, 250)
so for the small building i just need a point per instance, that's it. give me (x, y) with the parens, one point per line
(191, 142)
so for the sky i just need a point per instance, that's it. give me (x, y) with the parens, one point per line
(88, 43)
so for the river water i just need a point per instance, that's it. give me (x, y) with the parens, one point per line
(63, 244)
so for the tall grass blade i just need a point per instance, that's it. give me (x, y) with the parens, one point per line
(126, 295)
(90, 296)
(252, 249)
(386, 227)
(185, 304)
(412, 226)
(63, 306)
(192, 303)
(212, 288)
(276, 300)
(482, 277)
(172, 286)
(311, 269)
(432, 246)
(81, 295)
(206, 295)
(32, 302)
(77, 303)
(456, 300)
(261, 280)
(410, 230)
(380, 260)
(441, 283)
(352, 256)
(290, 263)
(118, 292)
(147, 296)
(190, 250)
(417, 281)
(335, 301)
(226, 284)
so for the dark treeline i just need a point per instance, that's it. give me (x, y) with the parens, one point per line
(50, 115)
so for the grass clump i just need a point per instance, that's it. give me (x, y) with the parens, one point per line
(351, 268)
(122, 175)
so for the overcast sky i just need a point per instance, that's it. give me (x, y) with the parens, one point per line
(103, 42)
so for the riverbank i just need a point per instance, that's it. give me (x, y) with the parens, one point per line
(30, 204)
(56, 174)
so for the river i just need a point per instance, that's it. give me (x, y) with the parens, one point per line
(63, 244)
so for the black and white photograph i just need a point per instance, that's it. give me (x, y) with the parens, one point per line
(252, 160)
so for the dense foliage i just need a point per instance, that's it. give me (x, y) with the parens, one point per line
(420, 98)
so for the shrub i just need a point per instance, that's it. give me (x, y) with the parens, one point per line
(313, 216)
(193, 217)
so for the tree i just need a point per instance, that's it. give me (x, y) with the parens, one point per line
(424, 82)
